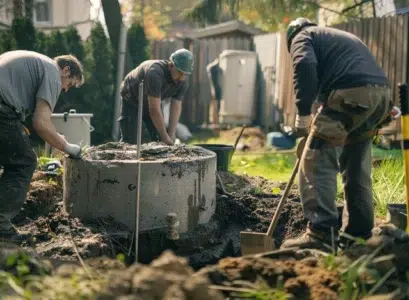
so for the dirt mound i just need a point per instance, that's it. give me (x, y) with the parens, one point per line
(303, 279)
(253, 138)
(149, 152)
(168, 277)
(55, 234)
(255, 214)
(253, 184)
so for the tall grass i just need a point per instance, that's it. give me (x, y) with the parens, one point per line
(388, 184)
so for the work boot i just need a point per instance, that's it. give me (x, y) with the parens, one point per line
(13, 235)
(311, 240)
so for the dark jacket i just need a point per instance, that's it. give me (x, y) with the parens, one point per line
(326, 59)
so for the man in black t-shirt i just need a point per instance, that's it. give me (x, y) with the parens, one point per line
(162, 79)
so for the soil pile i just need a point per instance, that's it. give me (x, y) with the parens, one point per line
(303, 279)
(168, 278)
(252, 139)
(149, 152)
(57, 235)
(252, 205)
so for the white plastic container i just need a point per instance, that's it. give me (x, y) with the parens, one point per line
(76, 128)
(238, 86)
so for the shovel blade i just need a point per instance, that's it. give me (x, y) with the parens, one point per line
(255, 243)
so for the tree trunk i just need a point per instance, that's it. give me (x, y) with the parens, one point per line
(18, 8)
(113, 19)
(29, 6)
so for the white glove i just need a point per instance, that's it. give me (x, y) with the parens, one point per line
(73, 150)
(396, 112)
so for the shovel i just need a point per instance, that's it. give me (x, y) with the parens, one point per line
(255, 242)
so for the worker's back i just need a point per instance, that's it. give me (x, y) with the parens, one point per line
(27, 75)
(342, 59)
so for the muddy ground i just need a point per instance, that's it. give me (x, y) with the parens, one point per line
(210, 268)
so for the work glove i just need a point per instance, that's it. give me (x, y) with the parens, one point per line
(302, 125)
(73, 150)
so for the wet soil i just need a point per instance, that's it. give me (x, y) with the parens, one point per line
(149, 152)
(210, 267)
(303, 279)
(55, 234)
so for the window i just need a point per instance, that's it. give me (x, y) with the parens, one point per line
(42, 11)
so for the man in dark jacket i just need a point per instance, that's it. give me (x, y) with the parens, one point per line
(162, 79)
(339, 70)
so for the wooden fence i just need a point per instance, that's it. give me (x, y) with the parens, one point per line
(387, 38)
(196, 107)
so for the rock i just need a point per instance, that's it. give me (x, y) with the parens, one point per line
(168, 262)
(197, 288)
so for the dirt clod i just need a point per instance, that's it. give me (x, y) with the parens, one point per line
(299, 278)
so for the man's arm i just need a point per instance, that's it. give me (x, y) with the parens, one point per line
(156, 115)
(174, 116)
(305, 73)
(44, 127)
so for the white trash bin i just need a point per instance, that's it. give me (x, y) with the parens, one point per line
(76, 128)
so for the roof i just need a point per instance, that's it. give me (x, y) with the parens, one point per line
(224, 28)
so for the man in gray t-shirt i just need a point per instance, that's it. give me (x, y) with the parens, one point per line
(162, 79)
(30, 83)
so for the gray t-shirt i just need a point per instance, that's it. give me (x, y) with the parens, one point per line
(26, 76)
(158, 82)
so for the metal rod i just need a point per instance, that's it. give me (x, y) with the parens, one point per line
(138, 157)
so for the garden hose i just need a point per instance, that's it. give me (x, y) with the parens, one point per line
(403, 95)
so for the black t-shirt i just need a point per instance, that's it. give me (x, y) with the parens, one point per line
(158, 82)
(326, 59)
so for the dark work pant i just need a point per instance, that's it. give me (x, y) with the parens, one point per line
(128, 122)
(339, 142)
(19, 162)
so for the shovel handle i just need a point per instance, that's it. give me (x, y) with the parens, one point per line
(274, 221)
(280, 206)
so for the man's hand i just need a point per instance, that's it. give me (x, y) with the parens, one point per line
(73, 150)
(302, 125)
(168, 140)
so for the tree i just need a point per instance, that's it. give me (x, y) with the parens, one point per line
(138, 44)
(269, 15)
(100, 83)
(55, 44)
(7, 42)
(24, 33)
(74, 98)
(41, 42)
(73, 43)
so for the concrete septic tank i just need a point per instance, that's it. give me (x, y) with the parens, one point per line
(177, 179)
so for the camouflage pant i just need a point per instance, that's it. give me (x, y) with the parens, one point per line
(19, 162)
(339, 142)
